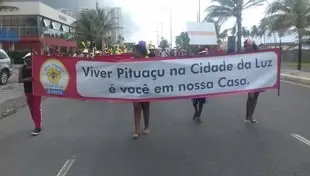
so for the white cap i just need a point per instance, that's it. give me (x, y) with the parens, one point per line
(27, 55)
(85, 51)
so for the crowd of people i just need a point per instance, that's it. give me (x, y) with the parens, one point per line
(139, 51)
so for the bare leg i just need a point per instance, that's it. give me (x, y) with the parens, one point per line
(137, 118)
(146, 117)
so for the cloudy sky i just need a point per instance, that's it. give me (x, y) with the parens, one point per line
(142, 18)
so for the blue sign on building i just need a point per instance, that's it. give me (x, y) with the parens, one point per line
(8, 36)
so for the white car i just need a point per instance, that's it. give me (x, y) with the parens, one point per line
(5, 67)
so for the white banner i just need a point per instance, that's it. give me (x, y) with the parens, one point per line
(175, 78)
(201, 33)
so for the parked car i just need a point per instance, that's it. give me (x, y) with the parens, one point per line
(5, 67)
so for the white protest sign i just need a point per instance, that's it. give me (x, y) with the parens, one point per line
(175, 78)
(201, 33)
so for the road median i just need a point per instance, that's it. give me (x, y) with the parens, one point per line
(303, 79)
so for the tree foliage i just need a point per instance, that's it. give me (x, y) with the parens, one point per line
(163, 44)
(225, 9)
(182, 43)
(290, 16)
(94, 25)
(221, 34)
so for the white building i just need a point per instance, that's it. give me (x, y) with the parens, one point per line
(38, 26)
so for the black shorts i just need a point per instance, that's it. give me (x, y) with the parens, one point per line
(141, 103)
(199, 100)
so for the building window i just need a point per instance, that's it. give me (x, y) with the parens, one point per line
(47, 22)
(65, 28)
(1, 20)
(7, 20)
(56, 25)
(14, 21)
(31, 21)
(21, 20)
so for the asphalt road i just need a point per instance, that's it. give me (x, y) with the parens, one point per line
(92, 139)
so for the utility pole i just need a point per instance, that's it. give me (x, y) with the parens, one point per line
(97, 5)
(199, 11)
(171, 27)
(157, 37)
(162, 29)
(162, 23)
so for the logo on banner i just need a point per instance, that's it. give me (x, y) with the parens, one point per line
(54, 77)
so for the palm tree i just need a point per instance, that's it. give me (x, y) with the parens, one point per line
(221, 35)
(120, 40)
(254, 31)
(94, 25)
(292, 15)
(245, 32)
(225, 9)
(262, 30)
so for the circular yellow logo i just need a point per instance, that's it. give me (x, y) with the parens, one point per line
(54, 77)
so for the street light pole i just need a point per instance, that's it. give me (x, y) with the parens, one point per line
(162, 24)
(171, 27)
(199, 11)
(162, 29)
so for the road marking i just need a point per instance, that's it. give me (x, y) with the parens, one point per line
(66, 167)
(301, 139)
(293, 76)
(297, 84)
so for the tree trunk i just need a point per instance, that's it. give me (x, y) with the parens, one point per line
(275, 40)
(299, 51)
(239, 31)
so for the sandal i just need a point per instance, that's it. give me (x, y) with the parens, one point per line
(247, 121)
(135, 136)
(146, 131)
(253, 121)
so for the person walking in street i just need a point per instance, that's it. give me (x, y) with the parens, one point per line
(198, 103)
(34, 102)
(140, 51)
(249, 45)
(198, 106)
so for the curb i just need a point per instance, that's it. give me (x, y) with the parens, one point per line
(297, 79)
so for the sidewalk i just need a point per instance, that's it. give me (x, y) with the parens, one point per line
(11, 95)
(295, 76)
(11, 99)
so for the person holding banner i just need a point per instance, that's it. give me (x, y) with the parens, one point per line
(199, 102)
(34, 102)
(249, 45)
(140, 51)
